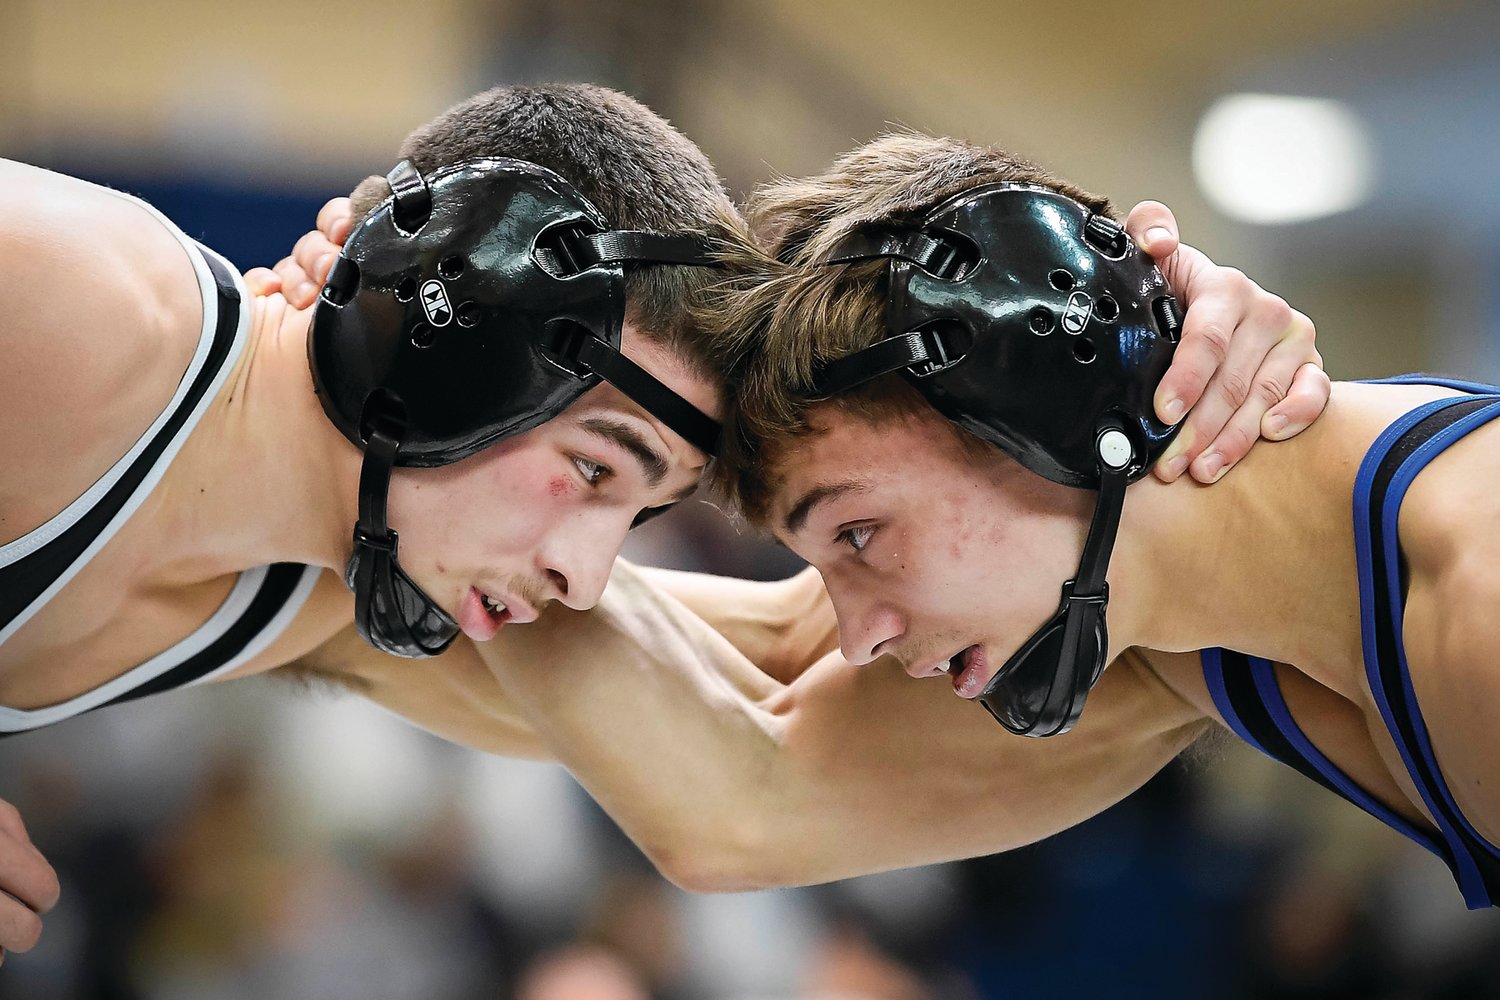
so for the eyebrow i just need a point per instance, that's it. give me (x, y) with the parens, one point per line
(796, 518)
(652, 464)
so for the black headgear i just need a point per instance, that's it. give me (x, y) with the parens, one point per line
(1035, 324)
(470, 305)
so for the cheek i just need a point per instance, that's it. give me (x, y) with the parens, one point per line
(561, 486)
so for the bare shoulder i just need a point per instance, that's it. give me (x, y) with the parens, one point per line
(1452, 641)
(1451, 627)
(102, 313)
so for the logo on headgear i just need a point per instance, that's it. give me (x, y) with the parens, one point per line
(435, 303)
(1076, 314)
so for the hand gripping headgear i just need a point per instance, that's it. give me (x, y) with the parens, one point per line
(1037, 325)
(470, 305)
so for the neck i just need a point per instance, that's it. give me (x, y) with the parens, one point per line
(274, 480)
(1263, 561)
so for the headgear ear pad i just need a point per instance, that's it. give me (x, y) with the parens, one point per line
(1056, 317)
(455, 315)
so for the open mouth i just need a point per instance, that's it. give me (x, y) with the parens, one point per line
(968, 668)
(482, 615)
(496, 609)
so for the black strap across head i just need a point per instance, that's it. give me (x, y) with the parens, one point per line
(470, 298)
(474, 303)
(1034, 323)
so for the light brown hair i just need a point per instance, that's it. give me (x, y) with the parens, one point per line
(638, 170)
(802, 313)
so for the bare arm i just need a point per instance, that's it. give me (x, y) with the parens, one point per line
(731, 780)
(453, 695)
(780, 627)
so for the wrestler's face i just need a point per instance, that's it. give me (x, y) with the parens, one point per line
(540, 516)
(933, 548)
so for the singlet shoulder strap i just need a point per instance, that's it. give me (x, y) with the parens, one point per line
(1232, 684)
(1401, 452)
(34, 567)
(260, 606)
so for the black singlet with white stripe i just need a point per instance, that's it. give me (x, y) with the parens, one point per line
(37, 566)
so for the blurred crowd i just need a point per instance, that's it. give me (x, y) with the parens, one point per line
(260, 839)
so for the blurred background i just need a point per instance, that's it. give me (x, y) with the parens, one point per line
(256, 840)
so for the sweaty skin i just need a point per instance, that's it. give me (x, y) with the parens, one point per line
(265, 478)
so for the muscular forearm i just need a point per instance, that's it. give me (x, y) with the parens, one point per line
(729, 779)
(684, 759)
(454, 696)
(782, 627)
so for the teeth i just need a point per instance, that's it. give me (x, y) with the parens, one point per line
(493, 605)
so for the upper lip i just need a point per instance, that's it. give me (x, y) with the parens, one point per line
(520, 611)
(931, 668)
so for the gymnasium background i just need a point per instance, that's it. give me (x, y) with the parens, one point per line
(257, 840)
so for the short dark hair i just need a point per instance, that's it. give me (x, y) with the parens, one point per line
(638, 170)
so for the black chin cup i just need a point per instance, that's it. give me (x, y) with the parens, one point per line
(1041, 689)
(391, 612)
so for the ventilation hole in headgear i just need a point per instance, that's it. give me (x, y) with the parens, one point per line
(423, 335)
(1061, 280)
(406, 289)
(1106, 308)
(451, 266)
(343, 281)
(1083, 350)
(469, 314)
(1040, 320)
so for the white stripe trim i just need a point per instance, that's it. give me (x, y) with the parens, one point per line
(246, 587)
(209, 289)
(274, 628)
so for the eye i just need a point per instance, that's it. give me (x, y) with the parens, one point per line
(592, 472)
(855, 538)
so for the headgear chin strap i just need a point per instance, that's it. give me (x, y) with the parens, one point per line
(1036, 325)
(471, 305)
(390, 610)
(1041, 689)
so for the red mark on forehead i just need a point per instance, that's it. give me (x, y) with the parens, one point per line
(560, 486)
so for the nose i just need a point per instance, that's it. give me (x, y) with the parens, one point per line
(865, 624)
(577, 563)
